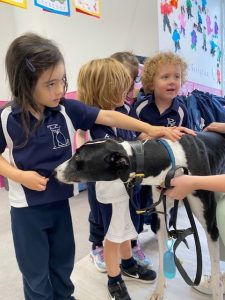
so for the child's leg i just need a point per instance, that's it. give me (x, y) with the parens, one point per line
(131, 269)
(125, 250)
(95, 217)
(142, 199)
(31, 227)
(112, 258)
(62, 251)
(31, 248)
(97, 233)
(116, 286)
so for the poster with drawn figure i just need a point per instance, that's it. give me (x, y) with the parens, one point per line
(61, 7)
(18, 3)
(192, 29)
(89, 7)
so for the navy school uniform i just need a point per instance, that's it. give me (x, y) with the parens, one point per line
(146, 110)
(100, 214)
(40, 219)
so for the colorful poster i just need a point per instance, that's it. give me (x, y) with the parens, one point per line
(61, 7)
(192, 29)
(19, 3)
(89, 7)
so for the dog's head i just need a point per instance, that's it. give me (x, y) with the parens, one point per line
(104, 160)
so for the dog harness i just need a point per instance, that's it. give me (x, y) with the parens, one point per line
(137, 164)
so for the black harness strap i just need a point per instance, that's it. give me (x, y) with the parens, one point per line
(137, 164)
(180, 234)
(181, 237)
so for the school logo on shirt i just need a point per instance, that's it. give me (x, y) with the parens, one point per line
(59, 140)
(202, 123)
(171, 122)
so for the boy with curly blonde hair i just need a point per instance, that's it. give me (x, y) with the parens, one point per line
(157, 102)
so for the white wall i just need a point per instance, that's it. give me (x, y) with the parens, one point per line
(124, 25)
(7, 34)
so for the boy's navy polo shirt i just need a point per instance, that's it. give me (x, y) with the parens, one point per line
(102, 131)
(47, 147)
(146, 110)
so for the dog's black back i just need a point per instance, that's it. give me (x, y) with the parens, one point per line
(206, 156)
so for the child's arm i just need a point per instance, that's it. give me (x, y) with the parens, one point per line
(30, 179)
(80, 137)
(116, 119)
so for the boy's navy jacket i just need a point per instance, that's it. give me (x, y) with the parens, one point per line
(145, 109)
(203, 109)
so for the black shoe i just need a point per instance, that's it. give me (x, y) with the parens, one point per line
(118, 291)
(139, 273)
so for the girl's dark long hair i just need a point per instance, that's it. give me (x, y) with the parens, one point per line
(27, 58)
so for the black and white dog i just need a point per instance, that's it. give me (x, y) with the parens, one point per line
(106, 160)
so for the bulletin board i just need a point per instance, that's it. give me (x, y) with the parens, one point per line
(192, 29)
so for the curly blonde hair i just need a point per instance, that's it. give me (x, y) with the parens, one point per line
(103, 83)
(152, 64)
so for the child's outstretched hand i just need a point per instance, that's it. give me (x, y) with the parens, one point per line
(186, 130)
(33, 181)
(172, 133)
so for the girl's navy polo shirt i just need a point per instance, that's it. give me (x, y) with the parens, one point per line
(49, 146)
(146, 110)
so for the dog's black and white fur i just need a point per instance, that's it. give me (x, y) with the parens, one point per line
(108, 160)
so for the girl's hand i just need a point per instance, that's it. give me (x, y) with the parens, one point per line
(215, 126)
(186, 130)
(33, 181)
(171, 133)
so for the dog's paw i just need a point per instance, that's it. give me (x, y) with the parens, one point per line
(156, 296)
(158, 293)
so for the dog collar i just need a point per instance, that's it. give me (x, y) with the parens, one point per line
(169, 150)
(137, 161)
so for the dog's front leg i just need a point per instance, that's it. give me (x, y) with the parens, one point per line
(213, 246)
(162, 236)
(217, 285)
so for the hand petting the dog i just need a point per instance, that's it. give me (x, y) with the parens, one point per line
(172, 133)
(186, 130)
(216, 126)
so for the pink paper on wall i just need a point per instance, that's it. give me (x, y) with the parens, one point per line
(189, 86)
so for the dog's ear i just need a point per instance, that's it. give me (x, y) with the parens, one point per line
(121, 163)
(117, 160)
